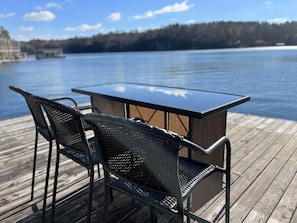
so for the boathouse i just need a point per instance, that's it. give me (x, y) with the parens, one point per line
(49, 53)
(10, 51)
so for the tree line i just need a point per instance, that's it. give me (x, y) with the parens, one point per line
(213, 35)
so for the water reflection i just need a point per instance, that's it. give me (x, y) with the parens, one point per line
(119, 88)
(168, 91)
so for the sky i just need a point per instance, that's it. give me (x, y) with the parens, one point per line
(62, 19)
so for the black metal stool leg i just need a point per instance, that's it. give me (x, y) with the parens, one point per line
(47, 180)
(34, 165)
(55, 184)
(91, 185)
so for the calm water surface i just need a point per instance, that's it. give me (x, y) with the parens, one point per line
(268, 75)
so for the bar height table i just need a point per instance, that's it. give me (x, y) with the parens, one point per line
(195, 114)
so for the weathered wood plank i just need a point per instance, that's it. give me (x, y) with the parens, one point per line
(263, 189)
(260, 173)
(283, 169)
(249, 161)
(285, 210)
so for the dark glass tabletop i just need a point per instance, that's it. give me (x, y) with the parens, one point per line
(195, 103)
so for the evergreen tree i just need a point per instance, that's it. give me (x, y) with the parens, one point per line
(4, 33)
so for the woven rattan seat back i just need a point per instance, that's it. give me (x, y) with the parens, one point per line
(43, 128)
(63, 125)
(131, 149)
(69, 132)
(67, 125)
(37, 113)
(147, 166)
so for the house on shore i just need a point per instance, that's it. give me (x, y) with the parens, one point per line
(10, 51)
(49, 53)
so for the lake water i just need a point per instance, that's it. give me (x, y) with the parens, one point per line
(268, 75)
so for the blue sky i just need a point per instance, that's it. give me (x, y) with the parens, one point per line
(62, 19)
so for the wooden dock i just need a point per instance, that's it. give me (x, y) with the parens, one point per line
(264, 180)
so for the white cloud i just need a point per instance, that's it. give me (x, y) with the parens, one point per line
(43, 16)
(84, 27)
(4, 16)
(20, 38)
(26, 29)
(113, 17)
(53, 5)
(279, 20)
(49, 5)
(30, 36)
(140, 29)
(192, 21)
(177, 7)
(146, 15)
(44, 37)
(268, 3)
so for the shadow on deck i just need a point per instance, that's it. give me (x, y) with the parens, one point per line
(264, 177)
(73, 208)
